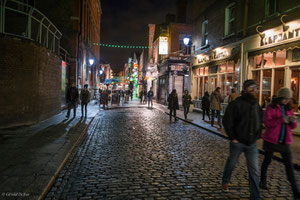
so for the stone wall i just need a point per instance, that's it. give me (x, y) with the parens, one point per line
(30, 82)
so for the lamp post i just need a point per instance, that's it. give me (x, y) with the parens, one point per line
(186, 41)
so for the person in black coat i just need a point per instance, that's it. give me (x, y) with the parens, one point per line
(72, 99)
(173, 104)
(205, 105)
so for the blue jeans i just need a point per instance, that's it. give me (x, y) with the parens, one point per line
(251, 153)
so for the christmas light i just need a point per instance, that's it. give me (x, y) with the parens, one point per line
(122, 46)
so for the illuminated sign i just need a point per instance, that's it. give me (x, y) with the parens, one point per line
(272, 38)
(163, 46)
(179, 67)
(217, 54)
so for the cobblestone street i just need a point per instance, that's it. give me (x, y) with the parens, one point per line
(136, 153)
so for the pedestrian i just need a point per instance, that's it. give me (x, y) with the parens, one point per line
(173, 104)
(233, 95)
(279, 121)
(85, 99)
(72, 99)
(187, 100)
(243, 125)
(131, 94)
(215, 103)
(205, 105)
(141, 96)
(150, 96)
(145, 96)
(104, 98)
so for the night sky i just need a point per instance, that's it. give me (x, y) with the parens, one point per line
(125, 22)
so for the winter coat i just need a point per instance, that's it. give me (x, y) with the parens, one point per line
(273, 120)
(150, 94)
(232, 97)
(173, 102)
(215, 100)
(205, 103)
(243, 119)
(72, 95)
(85, 96)
(187, 99)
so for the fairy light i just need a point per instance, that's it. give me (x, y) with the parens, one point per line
(121, 46)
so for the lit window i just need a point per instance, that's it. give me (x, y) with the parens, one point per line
(204, 33)
(229, 19)
(271, 7)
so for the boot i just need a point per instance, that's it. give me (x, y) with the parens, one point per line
(263, 184)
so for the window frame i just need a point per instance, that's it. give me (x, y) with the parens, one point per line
(267, 8)
(204, 41)
(228, 21)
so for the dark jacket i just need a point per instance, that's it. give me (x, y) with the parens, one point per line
(243, 119)
(187, 99)
(85, 96)
(173, 102)
(150, 94)
(205, 103)
(72, 95)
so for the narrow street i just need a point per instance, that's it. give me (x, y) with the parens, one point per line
(136, 153)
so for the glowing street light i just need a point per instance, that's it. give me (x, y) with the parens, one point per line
(91, 61)
(186, 40)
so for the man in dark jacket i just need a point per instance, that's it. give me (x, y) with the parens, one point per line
(173, 104)
(72, 98)
(243, 124)
(85, 99)
(150, 96)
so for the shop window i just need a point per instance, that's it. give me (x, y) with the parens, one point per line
(230, 66)
(229, 84)
(280, 58)
(205, 83)
(229, 19)
(266, 85)
(278, 79)
(223, 84)
(295, 86)
(213, 69)
(257, 61)
(198, 71)
(202, 71)
(296, 55)
(256, 77)
(206, 71)
(268, 60)
(200, 87)
(222, 68)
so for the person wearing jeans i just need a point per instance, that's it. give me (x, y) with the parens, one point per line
(279, 120)
(243, 125)
(173, 104)
(187, 99)
(215, 103)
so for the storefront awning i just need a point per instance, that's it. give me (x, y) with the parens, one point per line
(288, 46)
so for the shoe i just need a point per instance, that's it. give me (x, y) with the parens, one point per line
(263, 185)
(225, 187)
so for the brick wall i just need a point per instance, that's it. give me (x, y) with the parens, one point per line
(30, 82)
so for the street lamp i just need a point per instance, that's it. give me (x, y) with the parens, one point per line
(101, 72)
(91, 61)
(186, 40)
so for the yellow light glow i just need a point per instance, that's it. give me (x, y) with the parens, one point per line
(219, 50)
(293, 25)
(269, 33)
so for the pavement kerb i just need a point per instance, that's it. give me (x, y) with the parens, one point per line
(296, 166)
(52, 180)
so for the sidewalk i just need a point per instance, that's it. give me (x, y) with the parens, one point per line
(196, 119)
(31, 155)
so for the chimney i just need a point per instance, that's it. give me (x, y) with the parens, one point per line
(181, 11)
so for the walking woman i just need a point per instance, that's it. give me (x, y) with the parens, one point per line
(279, 120)
(187, 99)
(205, 105)
(173, 104)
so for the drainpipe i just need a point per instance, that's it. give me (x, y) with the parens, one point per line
(78, 39)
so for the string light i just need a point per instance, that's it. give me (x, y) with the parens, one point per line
(122, 46)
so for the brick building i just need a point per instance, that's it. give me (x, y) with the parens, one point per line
(238, 40)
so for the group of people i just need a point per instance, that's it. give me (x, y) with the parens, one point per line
(213, 102)
(243, 120)
(73, 99)
(147, 97)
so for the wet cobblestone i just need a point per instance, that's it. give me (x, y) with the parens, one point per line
(137, 154)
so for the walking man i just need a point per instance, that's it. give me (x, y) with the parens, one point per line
(187, 100)
(72, 98)
(173, 104)
(150, 96)
(243, 124)
(215, 103)
(85, 99)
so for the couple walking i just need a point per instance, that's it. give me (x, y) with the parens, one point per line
(173, 104)
(243, 124)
